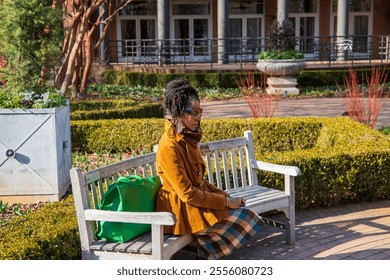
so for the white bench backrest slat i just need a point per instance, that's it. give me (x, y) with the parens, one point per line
(226, 169)
(227, 158)
(209, 167)
(217, 169)
(234, 167)
(242, 166)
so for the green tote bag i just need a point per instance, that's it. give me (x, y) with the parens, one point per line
(131, 193)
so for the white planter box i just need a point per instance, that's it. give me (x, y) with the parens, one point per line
(35, 154)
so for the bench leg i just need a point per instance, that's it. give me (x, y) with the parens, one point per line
(290, 225)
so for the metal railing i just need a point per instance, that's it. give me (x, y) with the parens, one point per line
(326, 50)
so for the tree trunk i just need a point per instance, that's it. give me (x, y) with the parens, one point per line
(78, 48)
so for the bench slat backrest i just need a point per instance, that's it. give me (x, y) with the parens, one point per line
(97, 181)
(228, 162)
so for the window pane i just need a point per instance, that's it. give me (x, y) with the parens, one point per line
(302, 6)
(235, 33)
(182, 31)
(128, 38)
(148, 34)
(360, 25)
(355, 6)
(306, 44)
(237, 7)
(193, 7)
(200, 33)
(140, 7)
(360, 6)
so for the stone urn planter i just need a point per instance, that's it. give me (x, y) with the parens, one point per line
(35, 154)
(280, 71)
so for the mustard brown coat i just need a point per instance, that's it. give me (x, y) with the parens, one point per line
(196, 203)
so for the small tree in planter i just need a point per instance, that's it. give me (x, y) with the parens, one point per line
(281, 60)
(35, 148)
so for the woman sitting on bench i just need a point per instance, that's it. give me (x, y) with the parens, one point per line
(220, 223)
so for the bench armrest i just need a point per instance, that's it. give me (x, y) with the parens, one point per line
(278, 168)
(153, 218)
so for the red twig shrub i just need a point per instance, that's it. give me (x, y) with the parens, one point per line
(365, 104)
(262, 104)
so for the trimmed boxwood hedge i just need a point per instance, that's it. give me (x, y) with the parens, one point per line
(50, 233)
(305, 78)
(114, 109)
(341, 160)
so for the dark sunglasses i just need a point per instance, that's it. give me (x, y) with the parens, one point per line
(194, 113)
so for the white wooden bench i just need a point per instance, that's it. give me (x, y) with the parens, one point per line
(227, 164)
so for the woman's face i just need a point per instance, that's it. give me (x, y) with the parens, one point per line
(192, 115)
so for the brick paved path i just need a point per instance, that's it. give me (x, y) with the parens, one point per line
(325, 107)
(357, 231)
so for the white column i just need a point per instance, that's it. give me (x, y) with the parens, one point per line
(342, 28)
(282, 10)
(223, 19)
(163, 27)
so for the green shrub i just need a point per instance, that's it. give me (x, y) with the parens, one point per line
(350, 162)
(307, 78)
(50, 233)
(114, 109)
(150, 110)
(341, 160)
(121, 135)
(385, 130)
(90, 105)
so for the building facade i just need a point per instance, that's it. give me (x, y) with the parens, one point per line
(166, 31)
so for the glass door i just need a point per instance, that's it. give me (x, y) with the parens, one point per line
(303, 15)
(244, 37)
(191, 38)
(138, 39)
(128, 36)
(305, 31)
(136, 25)
(245, 29)
(360, 31)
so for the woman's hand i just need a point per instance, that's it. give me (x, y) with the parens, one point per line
(235, 202)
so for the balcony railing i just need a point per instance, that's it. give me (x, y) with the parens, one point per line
(326, 50)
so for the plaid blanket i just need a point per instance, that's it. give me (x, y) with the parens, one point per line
(227, 235)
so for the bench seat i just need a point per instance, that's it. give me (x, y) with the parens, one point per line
(138, 248)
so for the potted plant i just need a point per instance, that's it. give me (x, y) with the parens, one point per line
(35, 156)
(281, 60)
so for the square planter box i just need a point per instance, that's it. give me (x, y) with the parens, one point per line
(35, 154)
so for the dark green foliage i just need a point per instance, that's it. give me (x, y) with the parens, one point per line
(282, 36)
(90, 105)
(50, 233)
(305, 78)
(204, 79)
(124, 135)
(31, 33)
(114, 109)
(273, 54)
(385, 130)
